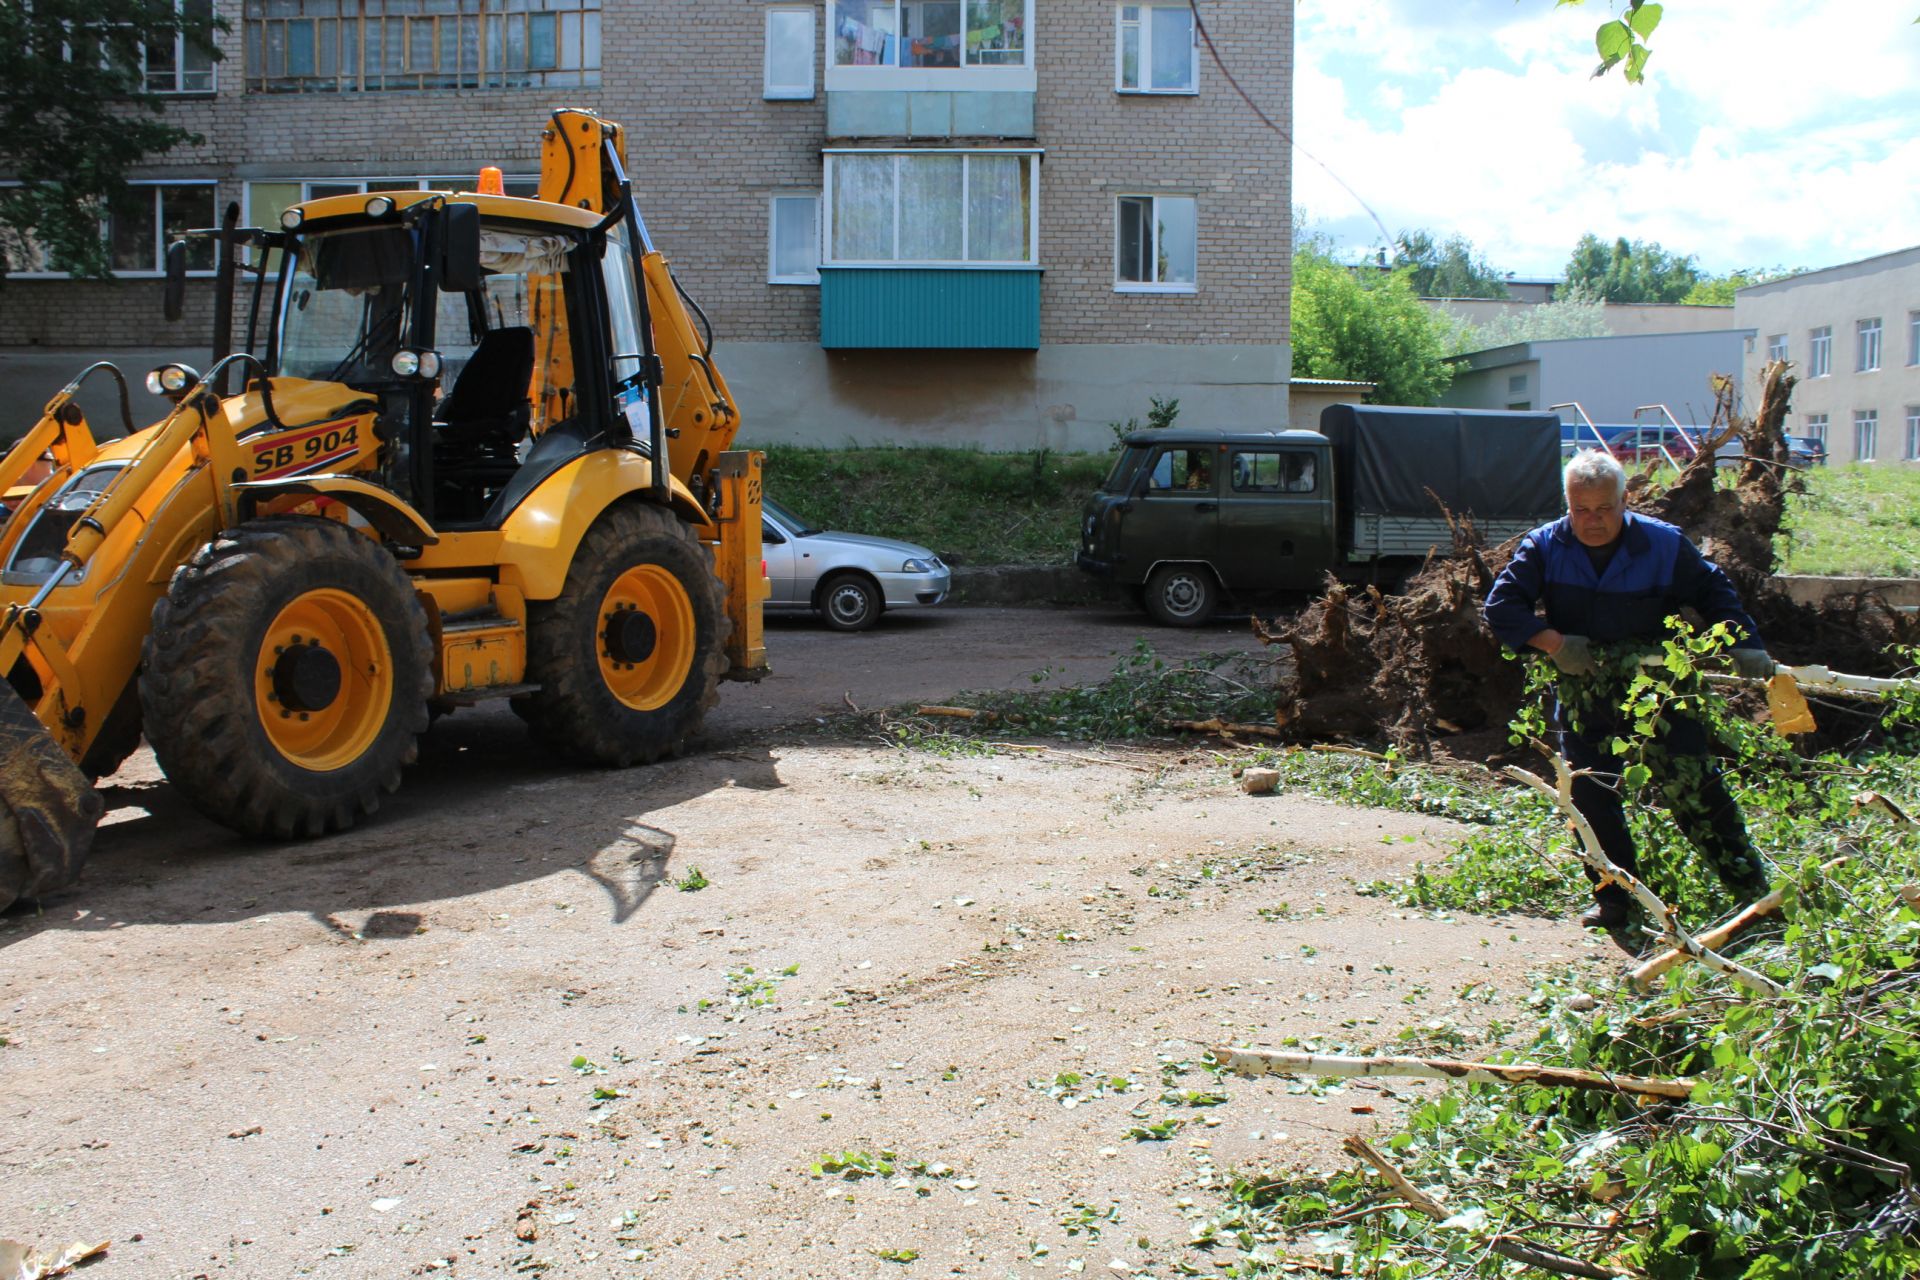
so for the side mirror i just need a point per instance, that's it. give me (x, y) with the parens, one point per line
(459, 265)
(173, 300)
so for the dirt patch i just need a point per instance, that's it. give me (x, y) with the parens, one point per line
(488, 1036)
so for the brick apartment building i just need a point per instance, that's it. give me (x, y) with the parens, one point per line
(995, 222)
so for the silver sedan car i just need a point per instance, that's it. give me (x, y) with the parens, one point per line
(848, 578)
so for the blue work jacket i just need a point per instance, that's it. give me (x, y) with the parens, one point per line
(1654, 573)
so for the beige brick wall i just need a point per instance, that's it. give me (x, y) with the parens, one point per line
(706, 152)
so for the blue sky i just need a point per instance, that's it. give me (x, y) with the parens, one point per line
(1769, 133)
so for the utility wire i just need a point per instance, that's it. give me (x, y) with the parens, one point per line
(1199, 25)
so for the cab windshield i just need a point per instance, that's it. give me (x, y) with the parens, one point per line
(347, 305)
(1123, 469)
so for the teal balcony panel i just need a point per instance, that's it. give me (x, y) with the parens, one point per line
(937, 308)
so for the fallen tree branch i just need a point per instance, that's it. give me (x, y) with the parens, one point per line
(1506, 1247)
(1596, 859)
(953, 713)
(1718, 936)
(1224, 728)
(1277, 1062)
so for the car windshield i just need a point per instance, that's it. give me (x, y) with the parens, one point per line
(347, 305)
(1123, 468)
(785, 515)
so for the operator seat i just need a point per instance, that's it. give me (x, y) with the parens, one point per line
(488, 408)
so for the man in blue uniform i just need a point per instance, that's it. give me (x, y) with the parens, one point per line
(1605, 575)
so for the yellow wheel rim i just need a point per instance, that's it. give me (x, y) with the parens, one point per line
(644, 638)
(323, 680)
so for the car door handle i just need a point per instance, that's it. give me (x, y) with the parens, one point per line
(1206, 506)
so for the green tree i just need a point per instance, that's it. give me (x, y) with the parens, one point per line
(1717, 291)
(1637, 271)
(1447, 270)
(1571, 316)
(76, 113)
(1368, 326)
(1621, 41)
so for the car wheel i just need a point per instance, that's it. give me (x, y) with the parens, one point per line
(1181, 595)
(850, 602)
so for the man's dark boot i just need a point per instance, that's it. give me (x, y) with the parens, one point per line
(1608, 912)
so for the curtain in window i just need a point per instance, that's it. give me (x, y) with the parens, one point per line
(863, 208)
(997, 207)
(930, 208)
(1172, 48)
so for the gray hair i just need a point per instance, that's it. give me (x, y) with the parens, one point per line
(1592, 468)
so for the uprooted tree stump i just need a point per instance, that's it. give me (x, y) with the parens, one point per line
(1415, 664)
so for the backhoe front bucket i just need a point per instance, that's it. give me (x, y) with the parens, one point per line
(48, 808)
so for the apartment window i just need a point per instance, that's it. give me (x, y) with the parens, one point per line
(1913, 338)
(1516, 383)
(1820, 352)
(176, 64)
(1156, 51)
(793, 239)
(297, 46)
(789, 64)
(1776, 348)
(930, 207)
(1913, 432)
(1869, 345)
(929, 33)
(1817, 427)
(1866, 434)
(1157, 244)
(137, 236)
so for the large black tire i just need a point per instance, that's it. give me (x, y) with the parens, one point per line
(1182, 595)
(629, 656)
(244, 639)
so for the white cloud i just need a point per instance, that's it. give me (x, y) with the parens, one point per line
(1769, 133)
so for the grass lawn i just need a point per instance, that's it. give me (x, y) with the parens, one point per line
(1855, 521)
(970, 506)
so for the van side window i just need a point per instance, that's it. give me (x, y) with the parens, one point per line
(1182, 470)
(1273, 471)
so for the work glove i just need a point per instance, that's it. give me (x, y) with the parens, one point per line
(1752, 664)
(1574, 657)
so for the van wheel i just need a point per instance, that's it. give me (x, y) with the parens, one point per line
(1181, 595)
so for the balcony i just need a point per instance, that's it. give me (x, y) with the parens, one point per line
(950, 308)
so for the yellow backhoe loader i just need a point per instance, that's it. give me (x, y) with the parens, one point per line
(483, 454)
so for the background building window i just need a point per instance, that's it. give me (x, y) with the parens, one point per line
(1157, 244)
(1913, 432)
(177, 65)
(1913, 337)
(297, 46)
(137, 236)
(930, 207)
(1869, 347)
(1817, 427)
(1776, 348)
(1156, 52)
(789, 66)
(1820, 352)
(1866, 434)
(928, 33)
(793, 239)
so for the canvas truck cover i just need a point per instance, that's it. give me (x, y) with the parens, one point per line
(1498, 467)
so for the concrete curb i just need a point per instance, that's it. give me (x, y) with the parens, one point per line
(1809, 590)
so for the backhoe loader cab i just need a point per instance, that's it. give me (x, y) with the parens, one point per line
(446, 477)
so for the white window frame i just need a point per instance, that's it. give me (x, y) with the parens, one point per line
(1913, 338)
(788, 92)
(160, 239)
(1913, 432)
(1032, 154)
(997, 78)
(1866, 434)
(1135, 286)
(180, 44)
(1776, 347)
(1820, 352)
(1144, 25)
(1867, 335)
(773, 227)
(1816, 426)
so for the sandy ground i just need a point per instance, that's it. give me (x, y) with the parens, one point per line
(486, 1035)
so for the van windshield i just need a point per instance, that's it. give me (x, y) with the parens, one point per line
(1123, 468)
